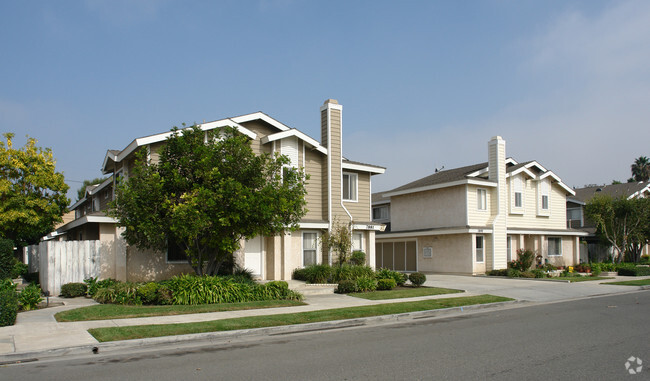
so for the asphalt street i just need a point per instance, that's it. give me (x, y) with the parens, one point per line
(591, 339)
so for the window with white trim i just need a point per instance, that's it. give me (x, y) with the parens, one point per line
(544, 196)
(519, 192)
(481, 199)
(357, 241)
(350, 181)
(309, 248)
(554, 245)
(479, 246)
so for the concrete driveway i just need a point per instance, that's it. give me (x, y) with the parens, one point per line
(534, 290)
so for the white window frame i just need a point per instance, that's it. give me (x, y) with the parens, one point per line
(517, 187)
(353, 178)
(478, 250)
(481, 199)
(302, 246)
(559, 246)
(360, 234)
(544, 189)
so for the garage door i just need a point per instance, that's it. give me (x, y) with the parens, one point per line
(397, 255)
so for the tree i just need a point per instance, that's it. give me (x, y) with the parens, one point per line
(81, 192)
(207, 192)
(339, 241)
(641, 169)
(621, 222)
(32, 194)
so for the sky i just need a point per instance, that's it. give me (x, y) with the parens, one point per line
(423, 84)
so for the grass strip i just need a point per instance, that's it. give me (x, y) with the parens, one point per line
(117, 311)
(578, 278)
(404, 292)
(638, 282)
(143, 331)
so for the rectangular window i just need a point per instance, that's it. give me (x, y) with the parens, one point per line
(481, 199)
(479, 248)
(509, 249)
(554, 246)
(175, 253)
(518, 192)
(380, 213)
(309, 248)
(357, 241)
(545, 202)
(518, 202)
(350, 186)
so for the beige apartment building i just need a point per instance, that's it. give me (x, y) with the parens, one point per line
(472, 219)
(338, 190)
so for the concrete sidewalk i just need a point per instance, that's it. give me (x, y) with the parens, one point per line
(37, 333)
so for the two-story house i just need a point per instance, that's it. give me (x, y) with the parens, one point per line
(472, 219)
(597, 250)
(338, 191)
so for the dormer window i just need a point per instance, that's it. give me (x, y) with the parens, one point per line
(544, 190)
(517, 197)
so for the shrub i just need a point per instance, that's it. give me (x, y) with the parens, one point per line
(366, 283)
(386, 284)
(582, 268)
(299, 274)
(513, 273)
(549, 267)
(539, 273)
(119, 293)
(595, 269)
(346, 287)
(32, 277)
(318, 273)
(94, 285)
(242, 274)
(29, 297)
(399, 278)
(417, 279)
(148, 293)
(7, 258)
(164, 295)
(73, 290)
(358, 258)
(645, 259)
(351, 272)
(524, 261)
(8, 302)
(527, 274)
(500, 272)
(634, 271)
(275, 290)
(19, 270)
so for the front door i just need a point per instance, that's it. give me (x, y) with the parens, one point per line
(253, 255)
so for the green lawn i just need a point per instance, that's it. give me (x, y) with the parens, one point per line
(638, 282)
(404, 292)
(116, 311)
(578, 278)
(142, 331)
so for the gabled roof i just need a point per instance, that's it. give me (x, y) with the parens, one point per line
(629, 190)
(293, 132)
(358, 166)
(445, 178)
(91, 190)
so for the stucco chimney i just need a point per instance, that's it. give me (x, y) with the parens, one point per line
(497, 172)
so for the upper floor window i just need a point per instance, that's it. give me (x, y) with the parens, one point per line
(481, 199)
(380, 213)
(544, 191)
(517, 188)
(350, 181)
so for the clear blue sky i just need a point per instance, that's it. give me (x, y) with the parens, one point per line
(424, 84)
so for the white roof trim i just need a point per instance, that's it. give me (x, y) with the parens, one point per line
(548, 233)
(432, 232)
(299, 135)
(520, 170)
(314, 225)
(363, 168)
(484, 183)
(138, 142)
(559, 181)
(536, 164)
(109, 155)
(640, 192)
(479, 172)
(262, 116)
(85, 220)
(511, 161)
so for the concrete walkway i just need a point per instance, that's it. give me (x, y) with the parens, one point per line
(37, 333)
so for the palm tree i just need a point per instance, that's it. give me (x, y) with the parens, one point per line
(641, 169)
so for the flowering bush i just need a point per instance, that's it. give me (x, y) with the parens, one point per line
(524, 260)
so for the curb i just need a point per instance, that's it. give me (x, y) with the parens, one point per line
(207, 337)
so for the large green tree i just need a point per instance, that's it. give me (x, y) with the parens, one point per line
(32, 193)
(621, 222)
(207, 192)
(641, 169)
(81, 192)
